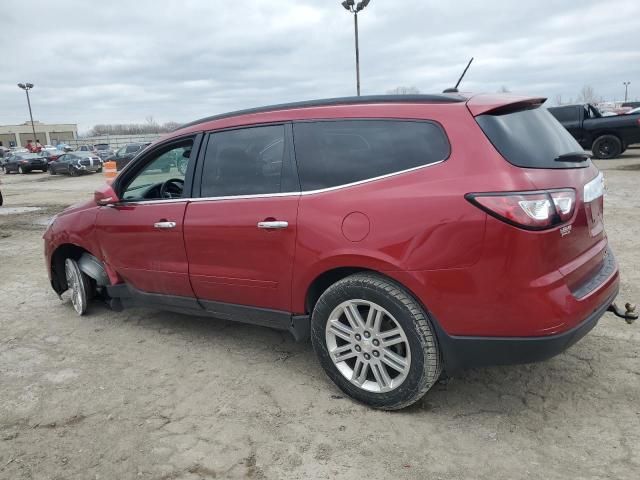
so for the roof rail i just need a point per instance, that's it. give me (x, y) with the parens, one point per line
(365, 99)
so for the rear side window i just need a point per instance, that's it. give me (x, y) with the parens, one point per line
(566, 114)
(530, 138)
(332, 153)
(132, 148)
(247, 161)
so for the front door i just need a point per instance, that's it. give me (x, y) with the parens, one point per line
(240, 234)
(141, 237)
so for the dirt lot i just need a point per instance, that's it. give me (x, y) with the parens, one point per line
(145, 394)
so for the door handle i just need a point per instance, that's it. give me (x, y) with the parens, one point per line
(275, 225)
(164, 225)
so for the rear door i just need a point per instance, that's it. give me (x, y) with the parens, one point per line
(240, 234)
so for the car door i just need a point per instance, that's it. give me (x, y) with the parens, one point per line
(240, 233)
(141, 236)
(56, 165)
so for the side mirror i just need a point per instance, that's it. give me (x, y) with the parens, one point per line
(105, 196)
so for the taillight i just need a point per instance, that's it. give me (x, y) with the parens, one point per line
(528, 210)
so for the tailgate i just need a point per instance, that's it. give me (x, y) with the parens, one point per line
(534, 142)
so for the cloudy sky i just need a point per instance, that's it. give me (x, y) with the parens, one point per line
(123, 61)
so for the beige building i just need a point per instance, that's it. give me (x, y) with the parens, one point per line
(48, 134)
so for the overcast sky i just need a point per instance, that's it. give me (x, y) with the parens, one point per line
(123, 61)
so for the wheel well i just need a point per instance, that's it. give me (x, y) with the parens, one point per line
(58, 278)
(596, 136)
(324, 281)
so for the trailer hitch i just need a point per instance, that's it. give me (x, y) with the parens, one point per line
(628, 314)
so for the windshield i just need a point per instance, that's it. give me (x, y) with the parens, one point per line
(530, 138)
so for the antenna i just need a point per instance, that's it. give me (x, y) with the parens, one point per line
(455, 89)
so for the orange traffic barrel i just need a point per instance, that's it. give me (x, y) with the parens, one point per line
(110, 171)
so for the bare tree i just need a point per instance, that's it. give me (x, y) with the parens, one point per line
(151, 126)
(403, 91)
(588, 95)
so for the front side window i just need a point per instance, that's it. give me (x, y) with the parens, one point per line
(246, 161)
(332, 153)
(162, 177)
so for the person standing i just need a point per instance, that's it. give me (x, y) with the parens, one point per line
(38, 147)
(30, 146)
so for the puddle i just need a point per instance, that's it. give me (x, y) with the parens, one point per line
(15, 210)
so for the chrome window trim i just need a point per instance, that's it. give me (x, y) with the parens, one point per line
(279, 194)
(312, 192)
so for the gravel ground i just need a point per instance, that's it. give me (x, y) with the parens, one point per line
(146, 394)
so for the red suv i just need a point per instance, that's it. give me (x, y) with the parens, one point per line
(406, 235)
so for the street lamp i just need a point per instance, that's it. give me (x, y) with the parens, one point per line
(626, 89)
(26, 87)
(350, 6)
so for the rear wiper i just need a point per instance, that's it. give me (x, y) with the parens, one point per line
(573, 157)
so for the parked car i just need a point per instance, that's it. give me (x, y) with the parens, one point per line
(103, 150)
(634, 111)
(405, 235)
(85, 148)
(606, 137)
(24, 163)
(125, 154)
(51, 155)
(76, 163)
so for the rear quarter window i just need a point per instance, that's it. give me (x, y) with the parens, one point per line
(333, 153)
(530, 138)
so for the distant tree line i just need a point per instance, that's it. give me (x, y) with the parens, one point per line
(151, 126)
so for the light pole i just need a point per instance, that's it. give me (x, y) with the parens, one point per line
(626, 89)
(26, 87)
(350, 6)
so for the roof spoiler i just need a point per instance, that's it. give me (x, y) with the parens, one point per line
(499, 104)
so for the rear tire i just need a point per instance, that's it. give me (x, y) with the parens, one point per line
(606, 147)
(388, 358)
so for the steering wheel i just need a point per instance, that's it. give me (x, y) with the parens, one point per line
(178, 185)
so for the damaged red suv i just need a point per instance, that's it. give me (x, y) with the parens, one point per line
(406, 236)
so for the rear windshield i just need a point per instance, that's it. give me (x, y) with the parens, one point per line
(530, 138)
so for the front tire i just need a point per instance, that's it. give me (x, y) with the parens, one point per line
(606, 147)
(22, 170)
(375, 341)
(79, 284)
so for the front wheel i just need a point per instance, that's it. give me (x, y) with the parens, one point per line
(22, 170)
(72, 171)
(375, 341)
(79, 284)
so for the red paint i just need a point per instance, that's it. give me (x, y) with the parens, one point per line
(476, 274)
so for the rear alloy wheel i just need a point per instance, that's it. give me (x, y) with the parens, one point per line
(79, 284)
(375, 342)
(606, 147)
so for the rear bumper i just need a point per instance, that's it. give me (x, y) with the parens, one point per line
(463, 352)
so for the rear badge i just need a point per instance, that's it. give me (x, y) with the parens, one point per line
(566, 230)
